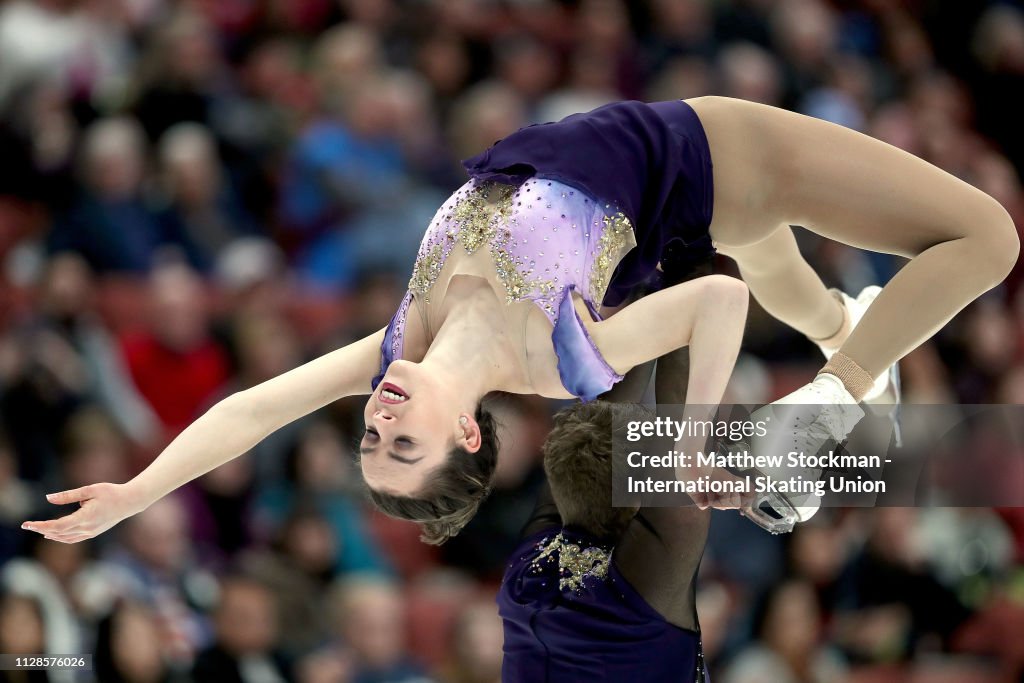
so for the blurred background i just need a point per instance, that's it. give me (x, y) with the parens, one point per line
(196, 195)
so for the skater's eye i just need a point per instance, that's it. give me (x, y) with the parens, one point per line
(403, 442)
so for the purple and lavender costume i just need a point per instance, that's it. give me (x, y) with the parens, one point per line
(590, 203)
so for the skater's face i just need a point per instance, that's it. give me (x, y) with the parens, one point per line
(413, 422)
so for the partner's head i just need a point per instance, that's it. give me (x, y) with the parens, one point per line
(428, 453)
(579, 464)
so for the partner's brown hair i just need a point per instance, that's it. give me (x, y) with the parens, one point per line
(579, 465)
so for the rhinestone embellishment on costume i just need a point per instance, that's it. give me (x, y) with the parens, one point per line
(520, 227)
(425, 271)
(615, 241)
(576, 563)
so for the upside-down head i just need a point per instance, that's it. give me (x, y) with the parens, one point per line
(424, 456)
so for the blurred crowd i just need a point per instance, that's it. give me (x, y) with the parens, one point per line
(197, 195)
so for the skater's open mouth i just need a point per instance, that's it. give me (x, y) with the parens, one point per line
(392, 393)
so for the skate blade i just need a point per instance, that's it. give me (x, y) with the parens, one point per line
(773, 513)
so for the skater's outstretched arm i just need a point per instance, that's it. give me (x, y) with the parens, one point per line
(228, 429)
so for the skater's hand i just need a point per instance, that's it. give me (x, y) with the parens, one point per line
(101, 507)
(726, 500)
(707, 475)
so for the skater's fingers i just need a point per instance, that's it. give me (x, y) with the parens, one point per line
(52, 527)
(726, 501)
(72, 496)
(747, 499)
(69, 537)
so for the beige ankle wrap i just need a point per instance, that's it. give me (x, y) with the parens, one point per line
(856, 379)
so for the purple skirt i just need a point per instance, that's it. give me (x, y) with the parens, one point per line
(652, 161)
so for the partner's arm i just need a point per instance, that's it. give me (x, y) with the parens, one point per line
(707, 315)
(660, 551)
(225, 431)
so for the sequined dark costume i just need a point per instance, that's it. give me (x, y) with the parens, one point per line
(570, 616)
(590, 204)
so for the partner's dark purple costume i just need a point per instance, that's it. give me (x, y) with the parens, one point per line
(591, 204)
(571, 617)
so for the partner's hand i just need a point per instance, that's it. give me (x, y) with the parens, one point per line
(725, 500)
(102, 506)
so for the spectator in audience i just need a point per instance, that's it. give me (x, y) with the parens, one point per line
(93, 449)
(299, 566)
(818, 553)
(319, 476)
(68, 360)
(21, 633)
(64, 42)
(154, 564)
(483, 114)
(889, 601)
(181, 75)
(529, 66)
(67, 306)
(476, 645)
(202, 215)
(46, 578)
(484, 546)
(369, 618)
(750, 72)
(219, 505)
(109, 224)
(255, 122)
(443, 59)
(253, 280)
(128, 647)
(246, 637)
(263, 345)
(788, 649)
(174, 362)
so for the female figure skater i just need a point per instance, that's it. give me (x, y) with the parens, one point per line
(560, 218)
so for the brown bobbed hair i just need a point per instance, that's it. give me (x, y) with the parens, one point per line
(453, 492)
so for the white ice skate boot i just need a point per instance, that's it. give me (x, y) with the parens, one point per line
(819, 414)
(885, 395)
